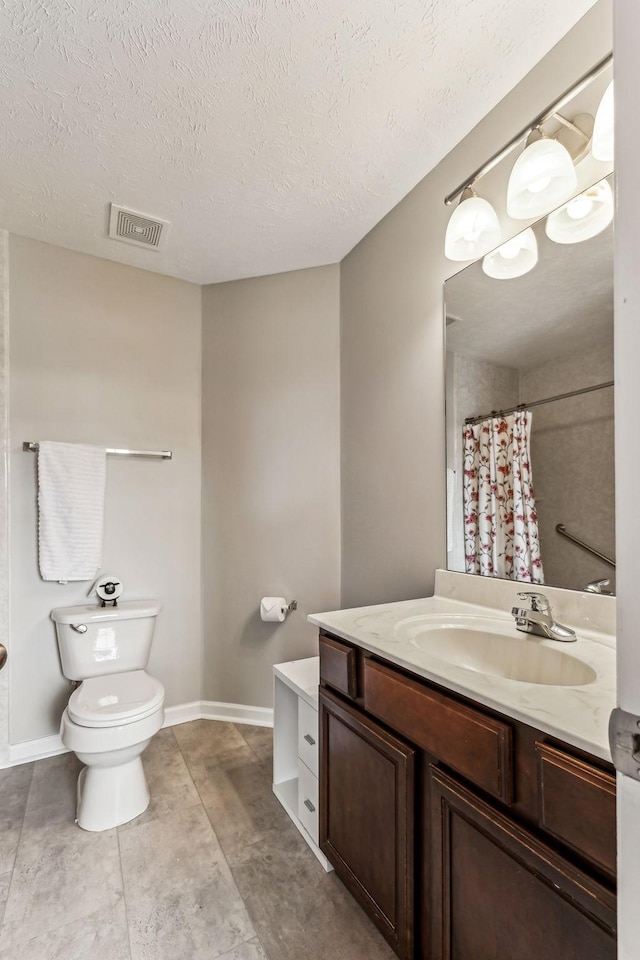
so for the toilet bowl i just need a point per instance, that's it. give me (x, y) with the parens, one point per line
(108, 722)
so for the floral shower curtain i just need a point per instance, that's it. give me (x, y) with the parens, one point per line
(500, 522)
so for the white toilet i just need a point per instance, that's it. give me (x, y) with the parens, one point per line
(116, 710)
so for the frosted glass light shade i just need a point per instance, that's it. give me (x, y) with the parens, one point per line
(542, 178)
(472, 231)
(602, 144)
(514, 258)
(583, 217)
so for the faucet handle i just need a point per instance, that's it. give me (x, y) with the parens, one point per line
(539, 601)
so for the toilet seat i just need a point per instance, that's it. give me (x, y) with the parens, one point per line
(115, 699)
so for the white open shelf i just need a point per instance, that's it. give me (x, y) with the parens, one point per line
(294, 681)
(287, 794)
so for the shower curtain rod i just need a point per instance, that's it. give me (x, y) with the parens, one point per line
(537, 403)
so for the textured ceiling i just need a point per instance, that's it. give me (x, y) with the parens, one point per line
(273, 134)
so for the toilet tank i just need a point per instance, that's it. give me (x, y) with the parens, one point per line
(116, 639)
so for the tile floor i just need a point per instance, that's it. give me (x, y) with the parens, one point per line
(213, 869)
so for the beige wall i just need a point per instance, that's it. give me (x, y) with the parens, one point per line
(393, 442)
(271, 485)
(107, 354)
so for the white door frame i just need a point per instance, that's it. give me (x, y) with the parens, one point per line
(627, 418)
(4, 491)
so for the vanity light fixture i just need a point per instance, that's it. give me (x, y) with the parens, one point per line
(584, 217)
(543, 177)
(514, 258)
(473, 229)
(602, 147)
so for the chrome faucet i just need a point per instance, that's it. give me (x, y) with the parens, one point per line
(599, 586)
(538, 618)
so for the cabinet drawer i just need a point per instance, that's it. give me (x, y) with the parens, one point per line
(308, 735)
(338, 666)
(477, 746)
(577, 804)
(308, 800)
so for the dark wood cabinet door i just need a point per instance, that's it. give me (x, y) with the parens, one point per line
(499, 893)
(367, 816)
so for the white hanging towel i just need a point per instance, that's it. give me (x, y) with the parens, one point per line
(71, 488)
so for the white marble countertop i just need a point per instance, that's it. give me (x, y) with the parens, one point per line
(579, 715)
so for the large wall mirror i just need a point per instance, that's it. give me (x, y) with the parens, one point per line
(529, 406)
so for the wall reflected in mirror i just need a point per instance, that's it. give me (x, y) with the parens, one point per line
(526, 476)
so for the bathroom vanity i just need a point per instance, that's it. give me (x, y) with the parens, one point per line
(467, 799)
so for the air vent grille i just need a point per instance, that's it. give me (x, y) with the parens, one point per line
(137, 228)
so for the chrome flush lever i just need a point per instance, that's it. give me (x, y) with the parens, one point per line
(79, 627)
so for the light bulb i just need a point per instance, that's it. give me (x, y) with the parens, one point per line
(514, 258)
(583, 217)
(580, 207)
(511, 248)
(537, 186)
(542, 177)
(472, 230)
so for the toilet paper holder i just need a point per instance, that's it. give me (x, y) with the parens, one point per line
(275, 609)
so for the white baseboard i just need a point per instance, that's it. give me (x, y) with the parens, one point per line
(183, 713)
(39, 749)
(44, 747)
(237, 713)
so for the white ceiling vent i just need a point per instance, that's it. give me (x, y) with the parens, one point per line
(138, 228)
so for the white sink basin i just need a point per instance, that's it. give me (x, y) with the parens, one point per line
(496, 648)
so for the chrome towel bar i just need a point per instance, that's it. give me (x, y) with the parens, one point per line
(32, 447)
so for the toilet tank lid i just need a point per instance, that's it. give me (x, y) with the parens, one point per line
(93, 613)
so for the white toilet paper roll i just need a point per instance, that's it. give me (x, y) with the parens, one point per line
(273, 609)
